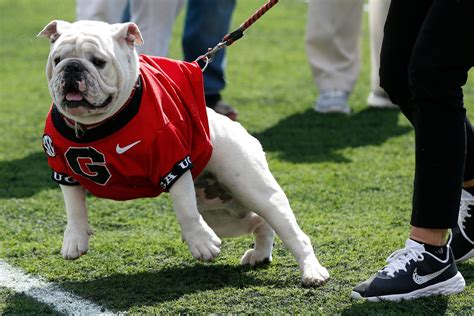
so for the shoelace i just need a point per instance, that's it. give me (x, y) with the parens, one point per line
(399, 259)
(467, 200)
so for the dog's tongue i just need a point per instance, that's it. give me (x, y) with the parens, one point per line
(74, 96)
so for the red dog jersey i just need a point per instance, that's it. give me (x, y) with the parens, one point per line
(161, 133)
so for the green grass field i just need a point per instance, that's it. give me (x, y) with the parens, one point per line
(349, 180)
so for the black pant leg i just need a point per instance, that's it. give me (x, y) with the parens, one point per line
(440, 61)
(404, 21)
(469, 163)
(426, 84)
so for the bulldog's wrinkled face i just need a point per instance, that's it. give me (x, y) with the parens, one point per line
(92, 67)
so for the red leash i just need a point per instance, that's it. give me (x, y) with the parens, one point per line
(230, 38)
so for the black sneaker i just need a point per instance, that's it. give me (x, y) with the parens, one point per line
(462, 241)
(412, 272)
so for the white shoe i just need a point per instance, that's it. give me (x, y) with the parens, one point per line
(333, 101)
(380, 100)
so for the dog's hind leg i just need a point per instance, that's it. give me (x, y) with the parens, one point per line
(228, 223)
(264, 236)
(239, 163)
(273, 206)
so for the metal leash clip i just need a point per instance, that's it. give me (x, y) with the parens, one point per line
(235, 35)
(208, 57)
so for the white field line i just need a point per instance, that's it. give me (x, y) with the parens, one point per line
(46, 292)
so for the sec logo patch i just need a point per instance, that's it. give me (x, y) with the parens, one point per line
(48, 146)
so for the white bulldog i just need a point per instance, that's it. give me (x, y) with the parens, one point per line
(92, 71)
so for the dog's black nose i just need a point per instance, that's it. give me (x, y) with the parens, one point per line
(74, 67)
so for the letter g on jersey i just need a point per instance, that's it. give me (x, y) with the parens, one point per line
(88, 162)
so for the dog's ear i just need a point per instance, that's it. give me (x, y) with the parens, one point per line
(53, 30)
(129, 32)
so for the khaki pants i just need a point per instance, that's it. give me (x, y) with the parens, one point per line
(155, 18)
(333, 41)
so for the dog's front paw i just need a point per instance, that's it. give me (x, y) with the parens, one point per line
(313, 273)
(202, 241)
(76, 241)
(254, 257)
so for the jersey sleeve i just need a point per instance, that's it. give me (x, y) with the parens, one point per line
(171, 157)
(64, 179)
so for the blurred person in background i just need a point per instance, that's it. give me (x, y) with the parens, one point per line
(333, 47)
(206, 23)
(155, 18)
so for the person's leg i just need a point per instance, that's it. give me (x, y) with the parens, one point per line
(444, 139)
(396, 51)
(109, 11)
(469, 166)
(439, 62)
(397, 47)
(438, 69)
(207, 22)
(126, 16)
(155, 20)
(378, 10)
(462, 242)
(332, 46)
(332, 43)
(403, 23)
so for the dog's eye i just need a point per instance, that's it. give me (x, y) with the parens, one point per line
(99, 63)
(57, 60)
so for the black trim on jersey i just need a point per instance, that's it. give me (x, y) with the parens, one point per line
(63, 179)
(178, 170)
(103, 130)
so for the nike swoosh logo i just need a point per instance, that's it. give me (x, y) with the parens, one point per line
(421, 279)
(121, 150)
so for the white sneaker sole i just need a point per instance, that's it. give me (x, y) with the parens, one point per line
(451, 286)
(376, 101)
(467, 256)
